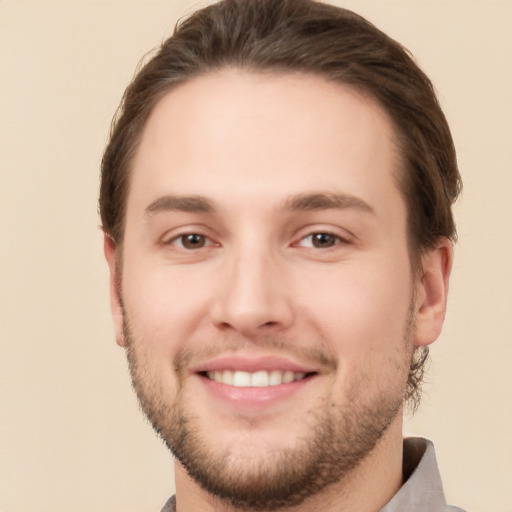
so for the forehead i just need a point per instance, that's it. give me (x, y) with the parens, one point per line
(238, 134)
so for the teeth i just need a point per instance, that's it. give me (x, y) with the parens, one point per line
(275, 378)
(241, 379)
(226, 377)
(259, 379)
(288, 377)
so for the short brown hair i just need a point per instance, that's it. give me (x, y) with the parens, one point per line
(299, 36)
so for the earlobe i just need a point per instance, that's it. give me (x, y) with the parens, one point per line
(432, 292)
(109, 248)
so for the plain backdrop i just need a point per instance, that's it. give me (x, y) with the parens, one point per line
(71, 435)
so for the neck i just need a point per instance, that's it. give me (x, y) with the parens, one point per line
(366, 489)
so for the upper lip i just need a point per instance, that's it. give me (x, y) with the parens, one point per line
(252, 364)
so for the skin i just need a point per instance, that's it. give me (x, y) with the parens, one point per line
(252, 146)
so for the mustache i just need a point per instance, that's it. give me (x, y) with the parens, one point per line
(318, 356)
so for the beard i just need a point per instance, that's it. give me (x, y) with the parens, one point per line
(336, 439)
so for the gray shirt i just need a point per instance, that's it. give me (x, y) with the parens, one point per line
(422, 490)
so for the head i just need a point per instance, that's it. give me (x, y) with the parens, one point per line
(263, 49)
(314, 38)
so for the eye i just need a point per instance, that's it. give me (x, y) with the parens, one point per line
(191, 241)
(320, 240)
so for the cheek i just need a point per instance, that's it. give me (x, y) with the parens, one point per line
(364, 324)
(361, 313)
(166, 305)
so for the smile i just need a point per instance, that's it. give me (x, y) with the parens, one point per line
(258, 379)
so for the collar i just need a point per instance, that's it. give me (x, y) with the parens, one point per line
(422, 488)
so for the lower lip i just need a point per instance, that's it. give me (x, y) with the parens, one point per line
(253, 397)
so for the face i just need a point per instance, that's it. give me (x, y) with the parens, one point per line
(266, 295)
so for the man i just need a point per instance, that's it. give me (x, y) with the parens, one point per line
(276, 200)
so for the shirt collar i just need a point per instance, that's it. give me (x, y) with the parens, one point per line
(422, 489)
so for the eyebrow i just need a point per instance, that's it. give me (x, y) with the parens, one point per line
(325, 201)
(193, 204)
(300, 202)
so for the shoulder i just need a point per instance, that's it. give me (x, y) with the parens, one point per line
(170, 506)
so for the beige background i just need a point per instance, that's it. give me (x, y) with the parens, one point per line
(71, 436)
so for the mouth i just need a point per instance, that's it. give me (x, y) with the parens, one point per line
(250, 383)
(257, 379)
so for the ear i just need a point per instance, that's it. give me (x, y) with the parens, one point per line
(432, 292)
(109, 247)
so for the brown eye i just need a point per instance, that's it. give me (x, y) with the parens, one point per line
(191, 241)
(323, 240)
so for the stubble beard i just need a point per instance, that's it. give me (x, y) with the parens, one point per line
(336, 441)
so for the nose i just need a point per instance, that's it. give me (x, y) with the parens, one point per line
(253, 295)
